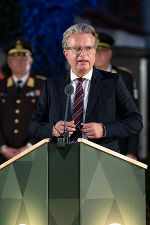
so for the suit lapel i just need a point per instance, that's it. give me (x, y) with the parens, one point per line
(95, 89)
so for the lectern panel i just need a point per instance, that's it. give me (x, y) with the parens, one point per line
(112, 190)
(24, 190)
(64, 185)
(80, 184)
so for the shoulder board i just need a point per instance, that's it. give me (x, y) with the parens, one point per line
(124, 69)
(113, 70)
(40, 77)
(30, 82)
(9, 82)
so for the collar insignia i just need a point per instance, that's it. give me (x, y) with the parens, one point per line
(30, 82)
(9, 82)
(113, 71)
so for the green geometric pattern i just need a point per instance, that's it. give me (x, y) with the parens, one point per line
(112, 190)
(64, 186)
(24, 190)
(86, 187)
(91, 187)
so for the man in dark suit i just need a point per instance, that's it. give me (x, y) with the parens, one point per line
(105, 96)
(19, 93)
(129, 145)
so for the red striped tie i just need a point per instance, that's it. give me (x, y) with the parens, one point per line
(77, 115)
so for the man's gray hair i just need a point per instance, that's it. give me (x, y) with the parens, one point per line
(80, 28)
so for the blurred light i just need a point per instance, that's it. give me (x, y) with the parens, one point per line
(22, 224)
(115, 224)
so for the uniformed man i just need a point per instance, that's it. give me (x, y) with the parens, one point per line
(18, 97)
(128, 146)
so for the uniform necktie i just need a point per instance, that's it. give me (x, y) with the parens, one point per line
(19, 86)
(77, 115)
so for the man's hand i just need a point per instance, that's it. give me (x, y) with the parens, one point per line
(93, 130)
(58, 128)
(8, 152)
(22, 149)
(131, 156)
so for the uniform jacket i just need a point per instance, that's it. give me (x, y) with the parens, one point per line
(130, 144)
(108, 97)
(128, 79)
(16, 110)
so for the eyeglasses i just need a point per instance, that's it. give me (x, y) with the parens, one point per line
(78, 50)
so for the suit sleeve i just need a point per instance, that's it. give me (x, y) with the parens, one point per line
(130, 121)
(40, 127)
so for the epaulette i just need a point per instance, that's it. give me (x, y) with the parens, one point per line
(9, 82)
(124, 69)
(41, 77)
(30, 82)
(113, 70)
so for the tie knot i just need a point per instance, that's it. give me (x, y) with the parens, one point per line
(19, 82)
(80, 79)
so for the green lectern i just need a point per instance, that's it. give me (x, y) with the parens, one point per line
(81, 184)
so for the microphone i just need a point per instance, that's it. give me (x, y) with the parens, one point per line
(68, 91)
(64, 137)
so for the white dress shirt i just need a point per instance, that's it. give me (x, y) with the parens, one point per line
(109, 68)
(86, 88)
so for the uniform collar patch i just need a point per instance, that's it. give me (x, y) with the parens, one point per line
(30, 82)
(10, 82)
(113, 71)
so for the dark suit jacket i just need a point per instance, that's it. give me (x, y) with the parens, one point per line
(108, 97)
(130, 144)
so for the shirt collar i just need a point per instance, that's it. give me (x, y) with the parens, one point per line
(109, 68)
(88, 76)
(23, 79)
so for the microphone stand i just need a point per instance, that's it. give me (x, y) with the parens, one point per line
(64, 137)
(66, 132)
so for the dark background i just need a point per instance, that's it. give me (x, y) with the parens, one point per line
(43, 22)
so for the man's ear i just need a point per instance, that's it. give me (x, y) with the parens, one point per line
(110, 53)
(31, 61)
(65, 53)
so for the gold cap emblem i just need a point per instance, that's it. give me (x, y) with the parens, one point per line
(19, 49)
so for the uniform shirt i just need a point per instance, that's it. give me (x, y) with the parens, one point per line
(23, 79)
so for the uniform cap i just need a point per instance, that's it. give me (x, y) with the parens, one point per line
(104, 40)
(19, 47)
